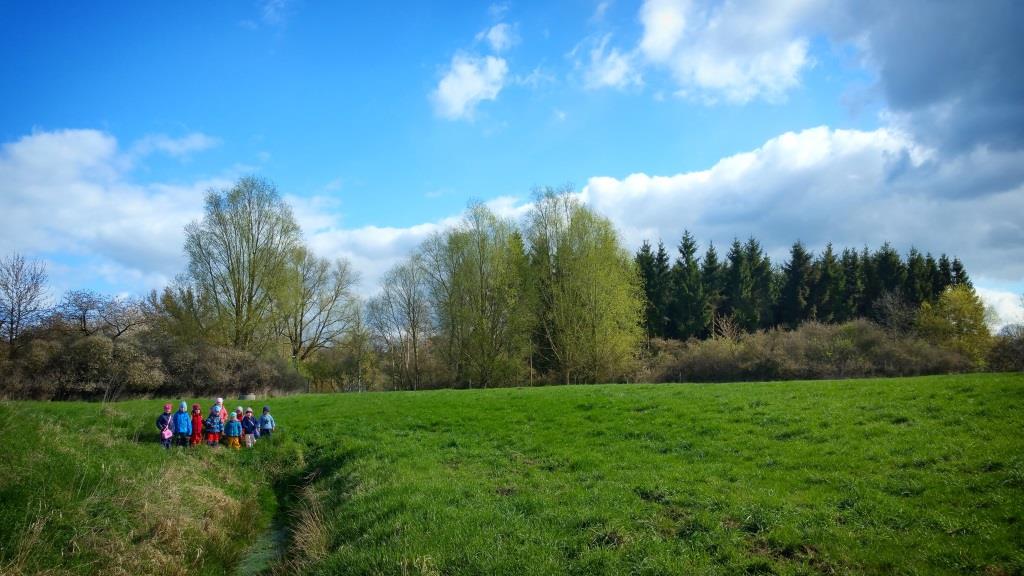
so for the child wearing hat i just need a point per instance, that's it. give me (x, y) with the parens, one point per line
(223, 412)
(267, 424)
(197, 425)
(249, 427)
(163, 424)
(213, 427)
(233, 431)
(182, 425)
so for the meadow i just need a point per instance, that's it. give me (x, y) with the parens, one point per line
(882, 476)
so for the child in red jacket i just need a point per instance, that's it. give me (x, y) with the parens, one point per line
(197, 425)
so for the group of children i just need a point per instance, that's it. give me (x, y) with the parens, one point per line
(221, 426)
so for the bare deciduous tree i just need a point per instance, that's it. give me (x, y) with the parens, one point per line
(399, 319)
(22, 294)
(81, 308)
(316, 303)
(120, 315)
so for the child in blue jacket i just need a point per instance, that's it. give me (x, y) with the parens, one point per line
(267, 424)
(163, 423)
(181, 424)
(213, 427)
(249, 427)
(233, 431)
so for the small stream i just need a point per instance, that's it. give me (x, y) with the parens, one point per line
(267, 549)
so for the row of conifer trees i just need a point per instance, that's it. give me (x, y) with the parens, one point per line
(688, 296)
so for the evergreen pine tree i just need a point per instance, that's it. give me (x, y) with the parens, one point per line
(713, 283)
(827, 288)
(739, 288)
(762, 297)
(645, 266)
(959, 273)
(661, 292)
(794, 299)
(944, 279)
(933, 276)
(869, 284)
(887, 277)
(918, 283)
(689, 310)
(853, 286)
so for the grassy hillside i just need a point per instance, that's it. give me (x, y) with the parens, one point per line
(912, 476)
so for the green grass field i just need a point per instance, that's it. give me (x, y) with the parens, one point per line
(900, 476)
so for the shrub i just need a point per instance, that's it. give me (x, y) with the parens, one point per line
(813, 351)
(1007, 353)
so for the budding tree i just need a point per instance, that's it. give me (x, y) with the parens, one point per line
(238, 255)
(316, 303)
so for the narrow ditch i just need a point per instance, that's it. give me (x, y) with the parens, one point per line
(273, 550)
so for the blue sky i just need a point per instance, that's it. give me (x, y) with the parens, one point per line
(849, 122)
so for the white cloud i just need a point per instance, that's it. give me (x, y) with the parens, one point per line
(610, 67)
(68, 192)
(850, 187)
(664, 22)
(373, 250)
(468, 81)
(1006, 306)
(175, 147)
(735, 51)
(500, 37)
(315, 214)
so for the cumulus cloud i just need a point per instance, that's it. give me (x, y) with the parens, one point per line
(950, 71)
(68, 192)
(664, 22)
(850, 187)
(468, 81)
(373, 250)
(608, 67)
(68, 195)
(732, 51)
(1006, 307)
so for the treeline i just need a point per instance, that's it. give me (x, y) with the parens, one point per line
(490, 303)
(486, 303)
(741, 317)
(554, 298)
(692, 296)
(253, 304)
